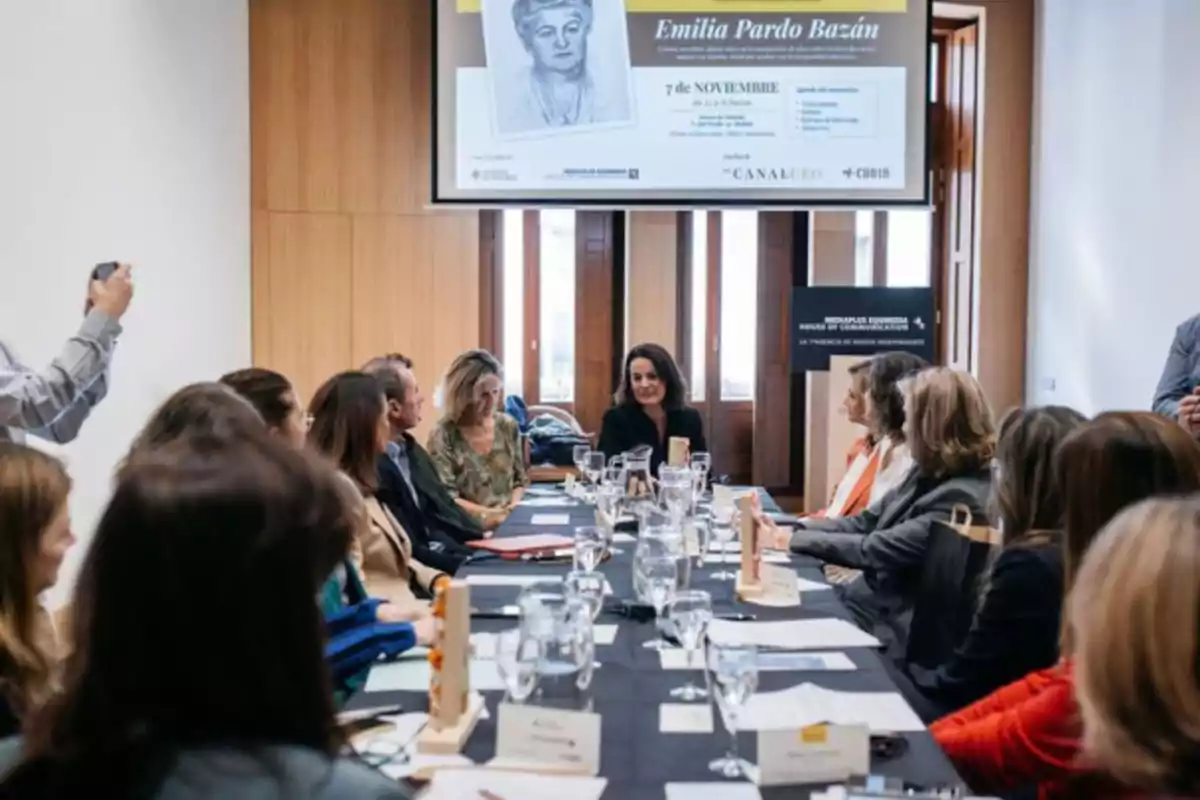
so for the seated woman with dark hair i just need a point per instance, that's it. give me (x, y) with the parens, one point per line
(36, 527)
(361, 630)
(350, 427)
(650, 408)
(275, 399)
(949, 430)
(197, 669)
(884, 461)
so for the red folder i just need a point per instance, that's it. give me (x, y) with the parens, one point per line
(534, 543)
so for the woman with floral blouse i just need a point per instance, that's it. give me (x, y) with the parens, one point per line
(477, 447)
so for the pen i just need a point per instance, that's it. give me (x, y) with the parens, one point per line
(736, 617)
(486, 795)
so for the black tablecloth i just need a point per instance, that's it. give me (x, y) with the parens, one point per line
(630, 685)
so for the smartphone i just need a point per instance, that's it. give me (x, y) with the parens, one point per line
(104, 271)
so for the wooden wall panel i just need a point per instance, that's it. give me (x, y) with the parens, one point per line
(652, 279)
(832, 264)
(307, 306)
(1006, 117)
(594, 281)
(773, 390)
(348, 261)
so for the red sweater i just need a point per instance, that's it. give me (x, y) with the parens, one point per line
(1026, 733)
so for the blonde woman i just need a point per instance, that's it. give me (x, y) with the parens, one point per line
(1135, 617)
(476, 447)
(951, 437)
(35, 534)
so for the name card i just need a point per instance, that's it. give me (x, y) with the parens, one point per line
(814, 754)
(677, 451)
(563, 741)
(780, 587)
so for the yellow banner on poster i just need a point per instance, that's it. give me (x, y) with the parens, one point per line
(745, 6)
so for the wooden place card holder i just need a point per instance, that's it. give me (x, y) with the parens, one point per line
(749, 575)
(453, 709)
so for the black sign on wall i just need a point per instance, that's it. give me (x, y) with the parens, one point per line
(847, 321)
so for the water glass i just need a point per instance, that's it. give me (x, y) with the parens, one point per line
(660, 577)
(734, 672)
(588, 589)
(590, 544)
(675, 492)
(517, 662)
(563, 631)
(689, 613)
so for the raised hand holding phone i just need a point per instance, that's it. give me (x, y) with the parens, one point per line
(110, 290)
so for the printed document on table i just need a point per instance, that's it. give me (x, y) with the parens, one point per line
(797, 634)
(809, 704)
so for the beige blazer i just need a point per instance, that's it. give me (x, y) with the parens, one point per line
(382, 552)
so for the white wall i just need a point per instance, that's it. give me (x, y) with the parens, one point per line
(124, 134)
(1115, 209)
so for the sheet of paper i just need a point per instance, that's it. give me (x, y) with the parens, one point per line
(721, 558)
(815, 754)
(421, 762)
(550, 519)
(413, 676)
(775, 557)
(566, 740)
(507, 580)
(461, 784)
(604, 634)
(805, 585)
(623, 538)
(797, 634)
(806, 661)
(809, 704)
(685, 718)
(676, 658)
(725, 547)
(558, 501)
(712, 791)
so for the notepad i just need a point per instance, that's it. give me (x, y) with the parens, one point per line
(797, 634)
(550, 519)
(548, 502)
(458, 784)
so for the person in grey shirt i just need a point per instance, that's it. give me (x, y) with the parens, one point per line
(1178, 393)
(53, 403)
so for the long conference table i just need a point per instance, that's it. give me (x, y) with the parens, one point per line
(630, 685)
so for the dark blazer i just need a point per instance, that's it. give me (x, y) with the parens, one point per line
(627, 427)
(439, 527)
(917, 588)
(1181, 373)
(1014, 632)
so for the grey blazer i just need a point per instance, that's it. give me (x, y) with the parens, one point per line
(1181, 373)
(888, 541)
(287, 773)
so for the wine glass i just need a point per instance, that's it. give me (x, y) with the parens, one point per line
(579, 456)
(723, 534)
(734, 671)
(690, 612)
(517, 662)
(593, 466)
(590, 543)
(701, 528)
(660, 577)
